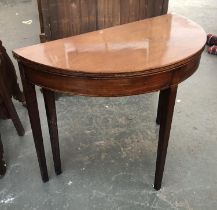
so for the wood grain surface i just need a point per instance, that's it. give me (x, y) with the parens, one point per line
(142, 46)
(59, 19)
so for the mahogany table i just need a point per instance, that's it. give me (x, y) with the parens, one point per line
(144, 56)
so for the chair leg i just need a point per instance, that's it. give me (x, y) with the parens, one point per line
(32, 106)
(49, 99)
(11, 110)
(168, 97)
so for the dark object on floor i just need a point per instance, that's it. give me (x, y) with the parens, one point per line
(212, 50)
(9, 80)
(211, 39)
(9, 88)
(2, 162)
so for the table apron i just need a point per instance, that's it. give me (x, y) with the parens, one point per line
(110, 86)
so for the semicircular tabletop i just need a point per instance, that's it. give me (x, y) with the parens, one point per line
(139, 46)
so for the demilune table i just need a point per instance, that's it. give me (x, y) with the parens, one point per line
(136, 58)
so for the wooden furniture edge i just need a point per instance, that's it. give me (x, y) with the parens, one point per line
(62, 72)
(112, 85)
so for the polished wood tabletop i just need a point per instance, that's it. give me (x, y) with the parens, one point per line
(142, 46)
(144, 56)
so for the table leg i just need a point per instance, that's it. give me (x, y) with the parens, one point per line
(2, 162)
(167, 108)
(49, 99)
(159, 109)
(32, 106)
